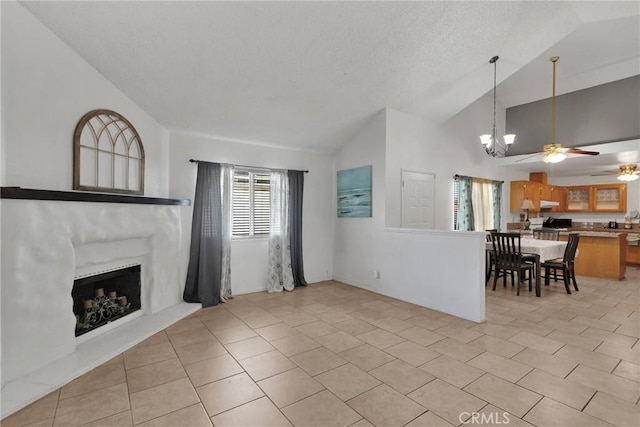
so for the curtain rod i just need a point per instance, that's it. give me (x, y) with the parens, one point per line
(457, 177)
(241, 166)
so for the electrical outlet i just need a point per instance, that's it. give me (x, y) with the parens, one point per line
(376, 274)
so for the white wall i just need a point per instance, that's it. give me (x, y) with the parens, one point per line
(46, 89)
(355, 239)
(444, 150)
(422, 267)
(466, 155)
(249, 256)
(443, 270)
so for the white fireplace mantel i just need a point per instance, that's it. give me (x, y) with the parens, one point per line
(46, 244)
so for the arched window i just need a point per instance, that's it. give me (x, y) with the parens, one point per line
(107, 154)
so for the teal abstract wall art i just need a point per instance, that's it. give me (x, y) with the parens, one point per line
(354, 193)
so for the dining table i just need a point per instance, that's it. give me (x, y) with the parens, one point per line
(543, 250)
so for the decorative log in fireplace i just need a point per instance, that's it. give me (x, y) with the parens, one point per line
(105, 297)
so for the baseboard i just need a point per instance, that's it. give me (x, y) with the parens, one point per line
(357, 285)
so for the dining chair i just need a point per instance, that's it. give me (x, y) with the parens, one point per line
(566, 264)
(542, 234)
(546, 234)
(508, 258)
(489, 259)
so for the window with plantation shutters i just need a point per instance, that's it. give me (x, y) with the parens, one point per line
(251, 203)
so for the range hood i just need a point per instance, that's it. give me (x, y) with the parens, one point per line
(546, 204)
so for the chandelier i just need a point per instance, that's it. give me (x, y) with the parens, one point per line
(628, 173)
(492, 144)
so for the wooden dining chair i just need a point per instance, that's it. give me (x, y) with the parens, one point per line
(542, 234)
(508, 258)
(546, 234)
(566, 264)
(489, 259)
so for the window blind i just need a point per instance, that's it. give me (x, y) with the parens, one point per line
(251, 203)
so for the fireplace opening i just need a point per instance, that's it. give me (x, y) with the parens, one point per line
(105, 297)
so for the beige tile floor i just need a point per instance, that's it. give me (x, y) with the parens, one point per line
(334, 355)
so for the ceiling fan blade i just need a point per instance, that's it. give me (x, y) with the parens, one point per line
(605, 173)
(579, 151)
(529, 156)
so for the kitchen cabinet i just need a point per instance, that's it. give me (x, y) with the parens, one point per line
(579, 198)
(553, 193)
(521, 190)
(633, 254)
(558, 195)
(601, 256)
(610, 198)
(545, 191)
(596, 198)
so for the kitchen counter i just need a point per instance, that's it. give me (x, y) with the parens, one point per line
(601, 252)
(589, 233)
(577, 227)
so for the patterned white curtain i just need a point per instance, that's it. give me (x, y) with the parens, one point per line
(280, 275)
(482, 199)
(226, 183)
(465, 210)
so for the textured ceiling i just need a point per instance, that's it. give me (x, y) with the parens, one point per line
(309, 74)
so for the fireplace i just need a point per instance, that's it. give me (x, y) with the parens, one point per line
(102, 298)
(48, 244)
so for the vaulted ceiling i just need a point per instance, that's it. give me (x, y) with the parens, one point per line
(309, 74)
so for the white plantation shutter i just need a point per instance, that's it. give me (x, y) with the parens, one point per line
(261, 203)
(251, 192)
(241, 204)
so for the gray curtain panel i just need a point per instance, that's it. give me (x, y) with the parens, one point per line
(205, 259)
(296, 190)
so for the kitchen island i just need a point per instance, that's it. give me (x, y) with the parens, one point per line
(601, 253)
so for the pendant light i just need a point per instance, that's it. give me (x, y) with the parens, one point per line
(492, 144)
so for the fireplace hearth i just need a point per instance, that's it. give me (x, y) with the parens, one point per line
(103, 298)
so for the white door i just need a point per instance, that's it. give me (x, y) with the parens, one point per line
(418, 198)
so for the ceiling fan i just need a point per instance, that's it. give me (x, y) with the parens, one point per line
(555, 152)
(626, 173)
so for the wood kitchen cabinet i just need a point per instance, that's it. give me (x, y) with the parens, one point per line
(600, 256)
(558, 195)
(610, 198)
(553, 193)
(521, 190)
(579, 198)
(633, 254)
(596, 198)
